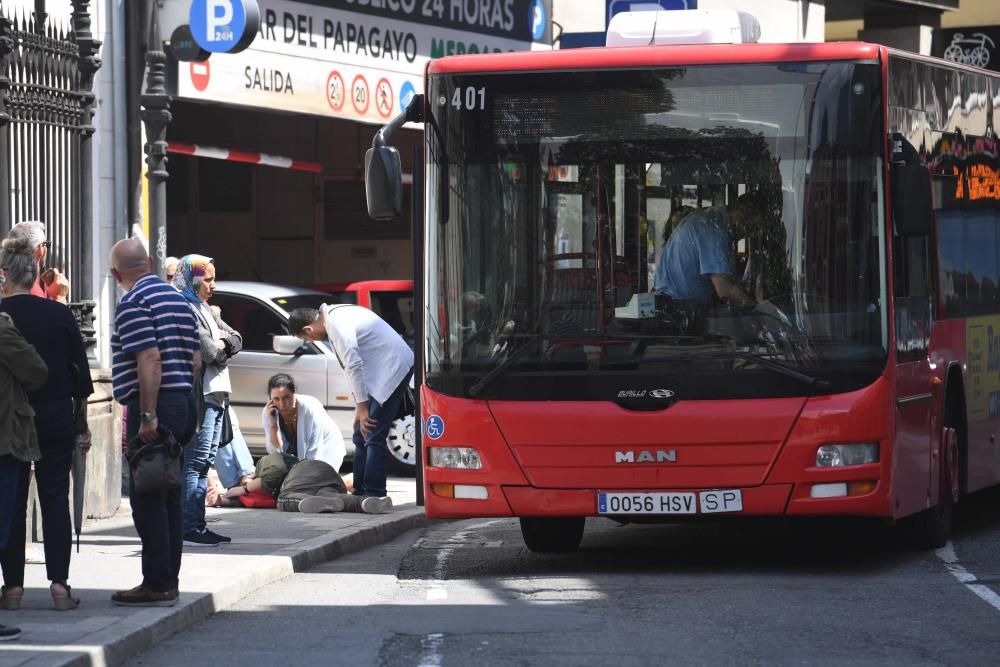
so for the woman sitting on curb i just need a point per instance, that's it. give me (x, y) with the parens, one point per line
(298, 425)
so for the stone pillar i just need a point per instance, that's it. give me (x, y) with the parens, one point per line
(104, 462)
(911, 31)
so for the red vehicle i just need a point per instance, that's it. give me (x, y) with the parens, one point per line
(556, 385)
(392, 300)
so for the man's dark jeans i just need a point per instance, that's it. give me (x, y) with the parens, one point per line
(371, 454)
(157, 516)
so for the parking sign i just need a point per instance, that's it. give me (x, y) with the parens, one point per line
(224, 26)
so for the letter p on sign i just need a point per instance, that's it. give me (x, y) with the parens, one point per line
(224, 26)
(215, 19)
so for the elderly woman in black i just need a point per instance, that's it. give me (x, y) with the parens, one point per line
(21, 369)
(52, 330)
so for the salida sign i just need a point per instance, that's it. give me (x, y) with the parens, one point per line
(360, 58)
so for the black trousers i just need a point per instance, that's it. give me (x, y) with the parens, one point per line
(157, 516)
(56, 439)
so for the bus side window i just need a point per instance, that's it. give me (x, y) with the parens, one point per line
(913, 276)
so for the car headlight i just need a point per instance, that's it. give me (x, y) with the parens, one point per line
(465, 458)
(836, 456)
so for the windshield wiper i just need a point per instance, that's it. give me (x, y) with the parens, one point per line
(506, 363)
(804, 378)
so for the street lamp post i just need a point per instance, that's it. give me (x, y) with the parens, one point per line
(156, 117)
(88, 64)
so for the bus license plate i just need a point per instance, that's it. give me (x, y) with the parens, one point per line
(647, 503)
(670, 502)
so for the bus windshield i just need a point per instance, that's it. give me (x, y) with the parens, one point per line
(717, 231)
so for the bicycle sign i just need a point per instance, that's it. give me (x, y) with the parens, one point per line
(970, 50)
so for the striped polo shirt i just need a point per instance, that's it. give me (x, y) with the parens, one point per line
(153, 314)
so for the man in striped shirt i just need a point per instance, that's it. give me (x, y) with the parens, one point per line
(156, 353)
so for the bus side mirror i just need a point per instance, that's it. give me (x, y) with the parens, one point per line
(912, 203)
(383, 182)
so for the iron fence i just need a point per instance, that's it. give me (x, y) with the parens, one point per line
(46, 109)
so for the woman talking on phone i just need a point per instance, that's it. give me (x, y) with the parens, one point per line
(297, 425)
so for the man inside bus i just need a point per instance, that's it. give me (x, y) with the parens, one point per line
(697, 261)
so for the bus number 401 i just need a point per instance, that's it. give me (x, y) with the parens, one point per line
(472, 97)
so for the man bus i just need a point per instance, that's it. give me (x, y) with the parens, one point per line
(864, 380)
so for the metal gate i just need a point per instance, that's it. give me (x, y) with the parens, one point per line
(46, 110)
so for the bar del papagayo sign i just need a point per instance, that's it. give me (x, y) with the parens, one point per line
(359, 59)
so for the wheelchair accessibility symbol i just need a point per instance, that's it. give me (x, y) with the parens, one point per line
(435, 427)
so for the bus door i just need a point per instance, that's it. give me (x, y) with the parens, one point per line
(916, 472)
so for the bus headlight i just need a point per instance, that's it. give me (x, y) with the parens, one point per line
(836, 456)
(464, 458)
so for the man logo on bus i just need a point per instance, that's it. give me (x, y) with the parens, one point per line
(646, 456)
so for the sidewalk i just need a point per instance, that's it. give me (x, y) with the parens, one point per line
(267, 546)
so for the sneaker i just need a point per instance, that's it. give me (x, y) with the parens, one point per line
(203, 539)
(8, 633)
(221, 539)
(141, 596)
(321, 505)
(374, 505)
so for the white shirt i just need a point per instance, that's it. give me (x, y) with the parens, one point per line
(317, 437)
(375, 357)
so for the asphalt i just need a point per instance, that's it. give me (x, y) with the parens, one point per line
(267, 546)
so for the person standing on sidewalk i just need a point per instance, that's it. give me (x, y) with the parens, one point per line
(53, 331)
(21, 369)
(378, 363)
(156, 356)
(57, 287)
(195, 279)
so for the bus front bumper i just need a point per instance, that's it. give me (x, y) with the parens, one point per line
(764, 500)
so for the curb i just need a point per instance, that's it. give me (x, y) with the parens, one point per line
(150, 626)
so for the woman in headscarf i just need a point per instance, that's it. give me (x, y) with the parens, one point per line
(195, 279)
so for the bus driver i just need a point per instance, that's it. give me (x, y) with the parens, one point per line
(697, 261)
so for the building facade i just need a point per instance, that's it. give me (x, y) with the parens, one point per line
(309, 94)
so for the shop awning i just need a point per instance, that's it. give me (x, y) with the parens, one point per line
(215, 153)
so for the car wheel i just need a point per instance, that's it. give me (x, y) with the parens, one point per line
(402, 442)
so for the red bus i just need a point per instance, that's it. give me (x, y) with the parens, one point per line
(559, 381)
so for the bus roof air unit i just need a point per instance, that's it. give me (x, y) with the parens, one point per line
(691, 26)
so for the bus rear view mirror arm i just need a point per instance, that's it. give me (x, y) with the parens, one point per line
(383, 167)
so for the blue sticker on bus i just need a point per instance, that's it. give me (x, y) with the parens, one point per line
(435, 427)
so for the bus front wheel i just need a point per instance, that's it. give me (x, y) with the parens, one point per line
(552, 535)
(931, 528)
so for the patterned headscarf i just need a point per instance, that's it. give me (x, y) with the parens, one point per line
(189, 274)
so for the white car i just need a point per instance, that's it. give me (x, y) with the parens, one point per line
(259, 311)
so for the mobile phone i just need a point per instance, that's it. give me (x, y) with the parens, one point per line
(48, 276)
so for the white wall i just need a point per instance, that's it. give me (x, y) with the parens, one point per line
(780, 20)
(579, 15)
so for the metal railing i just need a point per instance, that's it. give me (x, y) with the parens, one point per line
(46, 112)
